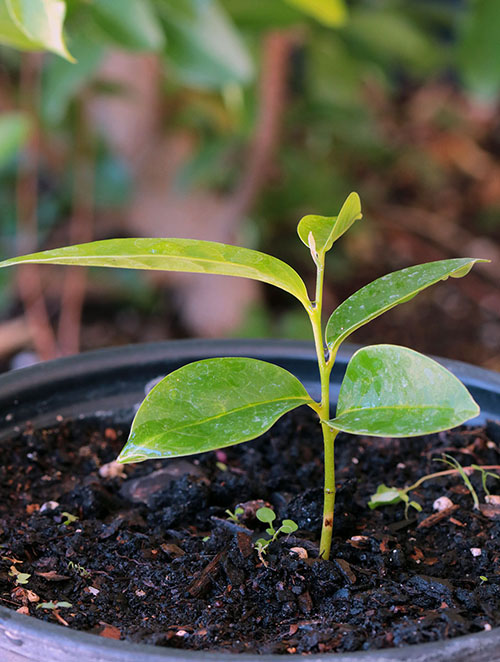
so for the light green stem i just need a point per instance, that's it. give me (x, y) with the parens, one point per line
(325, 368)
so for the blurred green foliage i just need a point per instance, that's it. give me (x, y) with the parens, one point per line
(346, 54)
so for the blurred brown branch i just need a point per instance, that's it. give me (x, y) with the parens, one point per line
(81, 231)
(28, 277)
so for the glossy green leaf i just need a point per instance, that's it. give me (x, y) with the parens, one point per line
(34, 25)
(325, 230)
(14, 131)
(332, 13)
(131, 24)
(392, 391)
(387, 292)
(211, 404)
(175, 255)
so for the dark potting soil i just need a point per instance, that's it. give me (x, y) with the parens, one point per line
(145, 552)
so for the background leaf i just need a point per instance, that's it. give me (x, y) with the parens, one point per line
(131, 24)
(14, 131)
(211, 404)
(396, 392)
(62, 81)
(204, 48)
(332, 13)
(34, 25)
(478, 50)
(191, 255)
(388, 291)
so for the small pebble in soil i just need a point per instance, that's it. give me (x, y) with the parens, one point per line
(442, 503)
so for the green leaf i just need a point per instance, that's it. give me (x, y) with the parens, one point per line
(131, 24)
(211, 404)
(54, 605)
(14, 131)
(175, 255)
(387, 292)
(34, 25)
(385, 496)
(326, 230)
(392, 391)
(63, 81)
(204, 48)
(332, 13)
(266, 515)
(288, 526)
(478, 54)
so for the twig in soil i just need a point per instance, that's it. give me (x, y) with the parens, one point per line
(208, 573)
(436, 517)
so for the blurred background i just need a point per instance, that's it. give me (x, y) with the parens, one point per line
(228, 120)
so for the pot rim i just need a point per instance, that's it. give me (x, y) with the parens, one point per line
(20, 634)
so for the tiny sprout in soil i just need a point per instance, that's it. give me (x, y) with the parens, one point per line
(54, 605)
(267, 515)
(389, 496)
(234, 517)
(388, 390)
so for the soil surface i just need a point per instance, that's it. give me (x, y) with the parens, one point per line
(146, 552)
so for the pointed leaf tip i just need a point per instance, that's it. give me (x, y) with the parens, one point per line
(389, 291)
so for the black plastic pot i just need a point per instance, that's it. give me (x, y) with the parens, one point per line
(112, 382)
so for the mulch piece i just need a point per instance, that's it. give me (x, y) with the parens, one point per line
(146, 553)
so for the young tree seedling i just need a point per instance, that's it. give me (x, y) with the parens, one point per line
(387, 391)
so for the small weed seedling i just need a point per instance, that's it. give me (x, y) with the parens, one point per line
(387, 391)
(21, 578)
(54, 605)
(69, 518)
(267, 516)
(78, 569)
(388, 496)
(234, 517)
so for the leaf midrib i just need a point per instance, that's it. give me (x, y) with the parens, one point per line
(297, 287)
(304, 399)
(370, 409)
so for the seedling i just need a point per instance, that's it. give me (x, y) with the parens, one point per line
(387, 390)
(455, 464)
(267, 515)
(68, 518)
(78, 569)
(234, 517)
(54, 605)
(388, 496)
(21, 578)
